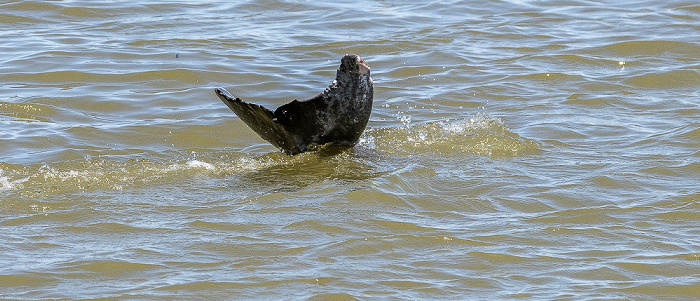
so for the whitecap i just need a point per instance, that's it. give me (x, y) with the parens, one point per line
(8, 184)
(200, 164)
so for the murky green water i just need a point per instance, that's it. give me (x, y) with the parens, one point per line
(517, 149)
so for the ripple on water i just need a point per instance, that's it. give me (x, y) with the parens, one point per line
(24, 112)
(666, 80)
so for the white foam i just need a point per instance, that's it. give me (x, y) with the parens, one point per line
(7, 184)
(200, 164)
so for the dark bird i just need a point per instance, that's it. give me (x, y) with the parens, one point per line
(337, 116)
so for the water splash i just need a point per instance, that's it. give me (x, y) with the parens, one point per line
(405, 119)
(8, 183)
(117, 174)
(480, 134)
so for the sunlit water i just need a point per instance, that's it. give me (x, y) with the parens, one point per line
(517, 149)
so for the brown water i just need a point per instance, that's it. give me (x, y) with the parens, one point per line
(517, 149)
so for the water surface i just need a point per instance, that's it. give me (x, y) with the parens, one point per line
(517, 149)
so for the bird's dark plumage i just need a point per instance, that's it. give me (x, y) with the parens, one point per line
(337, 116)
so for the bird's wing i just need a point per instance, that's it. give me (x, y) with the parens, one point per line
(261, 120)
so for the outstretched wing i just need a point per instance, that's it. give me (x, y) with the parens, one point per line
(261, 120)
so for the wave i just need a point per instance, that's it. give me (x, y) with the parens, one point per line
(477, 135)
